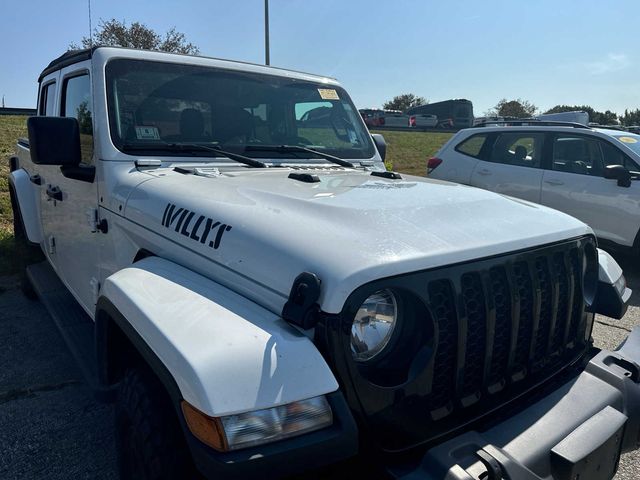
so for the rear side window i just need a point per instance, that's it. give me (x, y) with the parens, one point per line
(522, 149)
(472, 146)
(577, 154)
(76, 102)
(47, 99)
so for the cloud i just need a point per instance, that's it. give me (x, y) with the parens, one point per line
(614, 62)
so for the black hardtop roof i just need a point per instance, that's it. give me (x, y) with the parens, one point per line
(67, 58)
(74, 56)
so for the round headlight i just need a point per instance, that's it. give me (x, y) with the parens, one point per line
(373, 325)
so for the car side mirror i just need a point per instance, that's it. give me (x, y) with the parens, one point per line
(54, 140)
(619, 173)
(381, 145)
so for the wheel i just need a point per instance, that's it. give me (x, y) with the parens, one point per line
(149, 440)
(25, 252)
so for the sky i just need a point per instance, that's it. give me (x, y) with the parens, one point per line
(546, 51)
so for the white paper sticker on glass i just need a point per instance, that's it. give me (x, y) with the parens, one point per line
(328, 94)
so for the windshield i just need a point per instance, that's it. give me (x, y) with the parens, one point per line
(154, 104)
(629, 140)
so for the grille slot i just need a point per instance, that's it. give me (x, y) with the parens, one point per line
(443, 307)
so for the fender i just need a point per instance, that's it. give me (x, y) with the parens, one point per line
(610, 300)
(26, 200)
(226, 354)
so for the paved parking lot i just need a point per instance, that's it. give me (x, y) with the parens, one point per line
(52, 428)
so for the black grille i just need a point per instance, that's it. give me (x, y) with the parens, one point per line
(478, 307)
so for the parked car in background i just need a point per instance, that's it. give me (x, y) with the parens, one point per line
(372, 117)
(423, 120)
(456, 113)
(395, 118)
(589, 173)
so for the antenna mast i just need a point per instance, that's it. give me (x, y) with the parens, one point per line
(90, 29)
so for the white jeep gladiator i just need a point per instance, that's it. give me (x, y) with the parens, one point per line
(261, 298)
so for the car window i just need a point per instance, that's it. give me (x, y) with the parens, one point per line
(522, 149)
(47, 99)
(76, 102)
(614, 156)
(472, 146)
(577, 154)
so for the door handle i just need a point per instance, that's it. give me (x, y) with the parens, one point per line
(554, 182)
(484, 171)
(54, 192)
(37, 179)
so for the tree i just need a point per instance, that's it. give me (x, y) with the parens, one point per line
(83, 115)
(631, 117)
(518, 108)
(602, 118)
(404, 102)
(117, 33)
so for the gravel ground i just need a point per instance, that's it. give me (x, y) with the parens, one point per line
(52, 428)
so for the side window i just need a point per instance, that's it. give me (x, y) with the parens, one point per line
(614, 156)
(76, 102)
(577, 154)
(47, 99)
(521, 149)
(472, 146)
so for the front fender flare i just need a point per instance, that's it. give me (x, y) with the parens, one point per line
(226, 354)
(609, 300)
(26, 201)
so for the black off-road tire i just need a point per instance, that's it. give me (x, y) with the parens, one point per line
(150, 443)
(25, 252)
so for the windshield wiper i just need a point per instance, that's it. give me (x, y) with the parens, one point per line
(298, 148)
(191, 147)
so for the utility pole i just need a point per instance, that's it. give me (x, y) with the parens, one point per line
(266, 33)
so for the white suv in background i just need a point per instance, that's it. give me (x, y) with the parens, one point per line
(589, 173)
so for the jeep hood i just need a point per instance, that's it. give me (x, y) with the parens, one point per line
(349, 228)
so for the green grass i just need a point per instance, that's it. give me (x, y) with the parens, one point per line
(408, 152)
(11, 128)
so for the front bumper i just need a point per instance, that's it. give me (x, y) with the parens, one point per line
(580, 428)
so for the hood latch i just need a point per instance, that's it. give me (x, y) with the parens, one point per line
(302, 309)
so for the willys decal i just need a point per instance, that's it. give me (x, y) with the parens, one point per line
(200, 230)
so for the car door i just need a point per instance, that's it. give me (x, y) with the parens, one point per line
(68, 205)
(574, 183)
(512, 166)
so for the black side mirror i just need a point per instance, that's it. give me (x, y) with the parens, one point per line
(381, 145)
(619, 173)
(54, 140)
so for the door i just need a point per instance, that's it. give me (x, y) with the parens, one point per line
(574, 184)
(513, 166)
(68, 206)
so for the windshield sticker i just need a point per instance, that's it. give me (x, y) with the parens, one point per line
(201, 229)
(147, 133)
(328, 94)
(628, 139)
